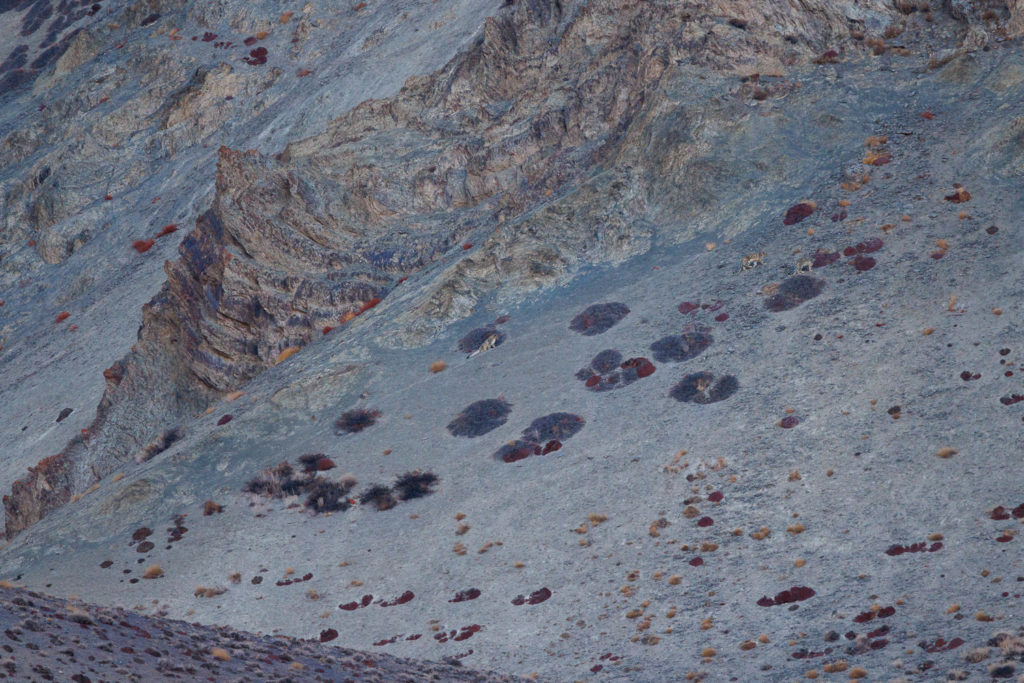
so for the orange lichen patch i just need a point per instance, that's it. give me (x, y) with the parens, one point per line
(285, 17)
(346, 316)
(675, 580)
(761, 534)
(209, 508)
(857, 672)
(153, 571)
(209, 591)
(596, 518)
(935, 537)
(368, 305)
(748, 645)
(856, 183)
(836, 666)
(459, 549)
(876, 141)
(708, 652)
(234, 396)
(887, 228)
(946, 452)
(302, 73)
(286, 354)
(797, 528)
(167, 230)
(981, 616)
(995, 311)
(706, 624)
(844, 203)
(221, 654)
(142, 246)
(117, 477)
(438, 366)
(960, 195)
(876, 158)
(62, 316)
(927, 331)
(260, 35)
(953, 608)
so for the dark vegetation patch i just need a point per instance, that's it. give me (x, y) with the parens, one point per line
(554, 426)
(921, 547)
(677, 348)
(478, 418)
(701, 387)
(316, 462)
(476, 338)
(536, 597)
(599, 318)
(543, 436)
(516, 451)
(379, 496)
(322, 495)
(794, 594)
(608, 371)
(794, 291)
(327, 496)
(822, 259)
(798, 212)
(356, 420)
(415, 484)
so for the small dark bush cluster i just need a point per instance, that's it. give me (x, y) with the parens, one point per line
(355, 421)
(322, 495)
(414, 484)
(327, 496)
(379, 496)
(315, 462)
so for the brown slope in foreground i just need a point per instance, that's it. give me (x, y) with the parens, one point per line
(546, 142)
(52, 639)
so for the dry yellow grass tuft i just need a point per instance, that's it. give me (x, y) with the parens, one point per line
(286, 354)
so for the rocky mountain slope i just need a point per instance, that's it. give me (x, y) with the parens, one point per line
(652, 338)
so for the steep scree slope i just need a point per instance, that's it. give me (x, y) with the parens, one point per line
(781, 448)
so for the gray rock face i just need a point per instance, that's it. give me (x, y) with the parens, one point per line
(801, 216)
